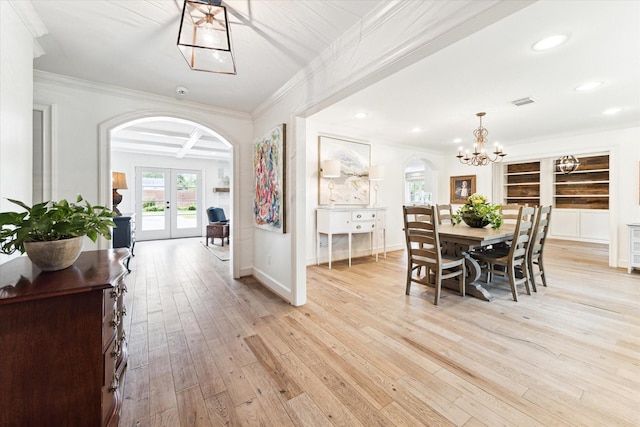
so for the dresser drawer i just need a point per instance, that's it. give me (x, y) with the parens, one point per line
(111, 386)
(363, 226)
(109, 316)
(363, 215)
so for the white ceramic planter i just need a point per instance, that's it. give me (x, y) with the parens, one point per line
(56, 254)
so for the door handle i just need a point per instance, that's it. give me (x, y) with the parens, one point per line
(168, 206)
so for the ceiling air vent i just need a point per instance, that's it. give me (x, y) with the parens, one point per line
(523, 101)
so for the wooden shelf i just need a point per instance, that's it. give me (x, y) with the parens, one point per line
(522, 183)
(586, 188)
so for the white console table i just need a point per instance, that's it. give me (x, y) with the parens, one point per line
(349, 221)
(634, 246)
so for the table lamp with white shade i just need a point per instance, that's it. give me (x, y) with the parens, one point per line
(330, 170)
(376, 174)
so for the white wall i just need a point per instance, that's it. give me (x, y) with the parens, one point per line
(83, 107)
(16, 105)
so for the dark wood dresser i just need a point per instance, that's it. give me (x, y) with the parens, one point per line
(63, 344)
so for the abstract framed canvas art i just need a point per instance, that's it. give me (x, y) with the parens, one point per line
(352, 187)
(269, 186)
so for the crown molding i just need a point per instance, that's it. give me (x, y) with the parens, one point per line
(29, 17)
(45, 77)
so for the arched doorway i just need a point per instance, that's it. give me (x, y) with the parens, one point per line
(420, 182)
(198, 164)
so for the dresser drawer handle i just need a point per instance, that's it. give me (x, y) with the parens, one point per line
(373, 226)
(116, 320)
(358, 227)
(117, 350)
(115, 383)
(359, 216)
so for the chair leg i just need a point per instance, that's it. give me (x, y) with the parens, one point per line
(512, 282)
(437, 286)
(532, 275)
(409, 274)
(525, 274)
(542, 275)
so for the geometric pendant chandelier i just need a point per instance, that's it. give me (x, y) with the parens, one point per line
(204, 37)
(567, 164)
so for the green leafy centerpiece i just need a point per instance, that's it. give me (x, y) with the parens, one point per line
(52, 232)
(478, 212)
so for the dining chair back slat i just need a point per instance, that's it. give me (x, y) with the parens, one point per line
(424, 250)
(510, 213)
(444, 213)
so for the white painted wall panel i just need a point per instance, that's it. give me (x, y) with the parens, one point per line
(16, 105)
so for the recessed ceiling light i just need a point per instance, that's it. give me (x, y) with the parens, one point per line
(588, 86)
(416, 130)
(360, 115)
(550, 42)
(611, 111)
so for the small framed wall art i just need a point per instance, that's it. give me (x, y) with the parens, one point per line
(461, 188)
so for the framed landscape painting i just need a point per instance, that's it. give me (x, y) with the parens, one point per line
(269, 186)
(352, 187)
(461, 188)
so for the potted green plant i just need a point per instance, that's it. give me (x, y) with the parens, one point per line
(51, 233)
(478, 212)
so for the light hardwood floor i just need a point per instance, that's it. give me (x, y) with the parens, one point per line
(205, 349)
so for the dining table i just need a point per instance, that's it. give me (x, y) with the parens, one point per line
(459, 240)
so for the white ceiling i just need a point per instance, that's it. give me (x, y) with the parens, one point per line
(486, 71)
(132, 44)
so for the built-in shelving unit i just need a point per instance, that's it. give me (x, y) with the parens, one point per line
(522, 183)
(585, 188)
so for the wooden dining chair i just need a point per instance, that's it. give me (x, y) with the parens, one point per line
(511, 262)
(536, 247)
(510, 213)
(444, 213)
(424, 250)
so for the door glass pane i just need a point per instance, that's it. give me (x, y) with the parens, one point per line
(153, 201)
(186, 187)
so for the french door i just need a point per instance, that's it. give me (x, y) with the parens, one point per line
(168, 203)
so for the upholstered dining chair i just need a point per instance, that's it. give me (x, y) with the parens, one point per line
(423, 250)
(444, 213)
(536, 247)
(511, 262)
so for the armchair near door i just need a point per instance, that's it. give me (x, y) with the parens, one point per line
(218, 227)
